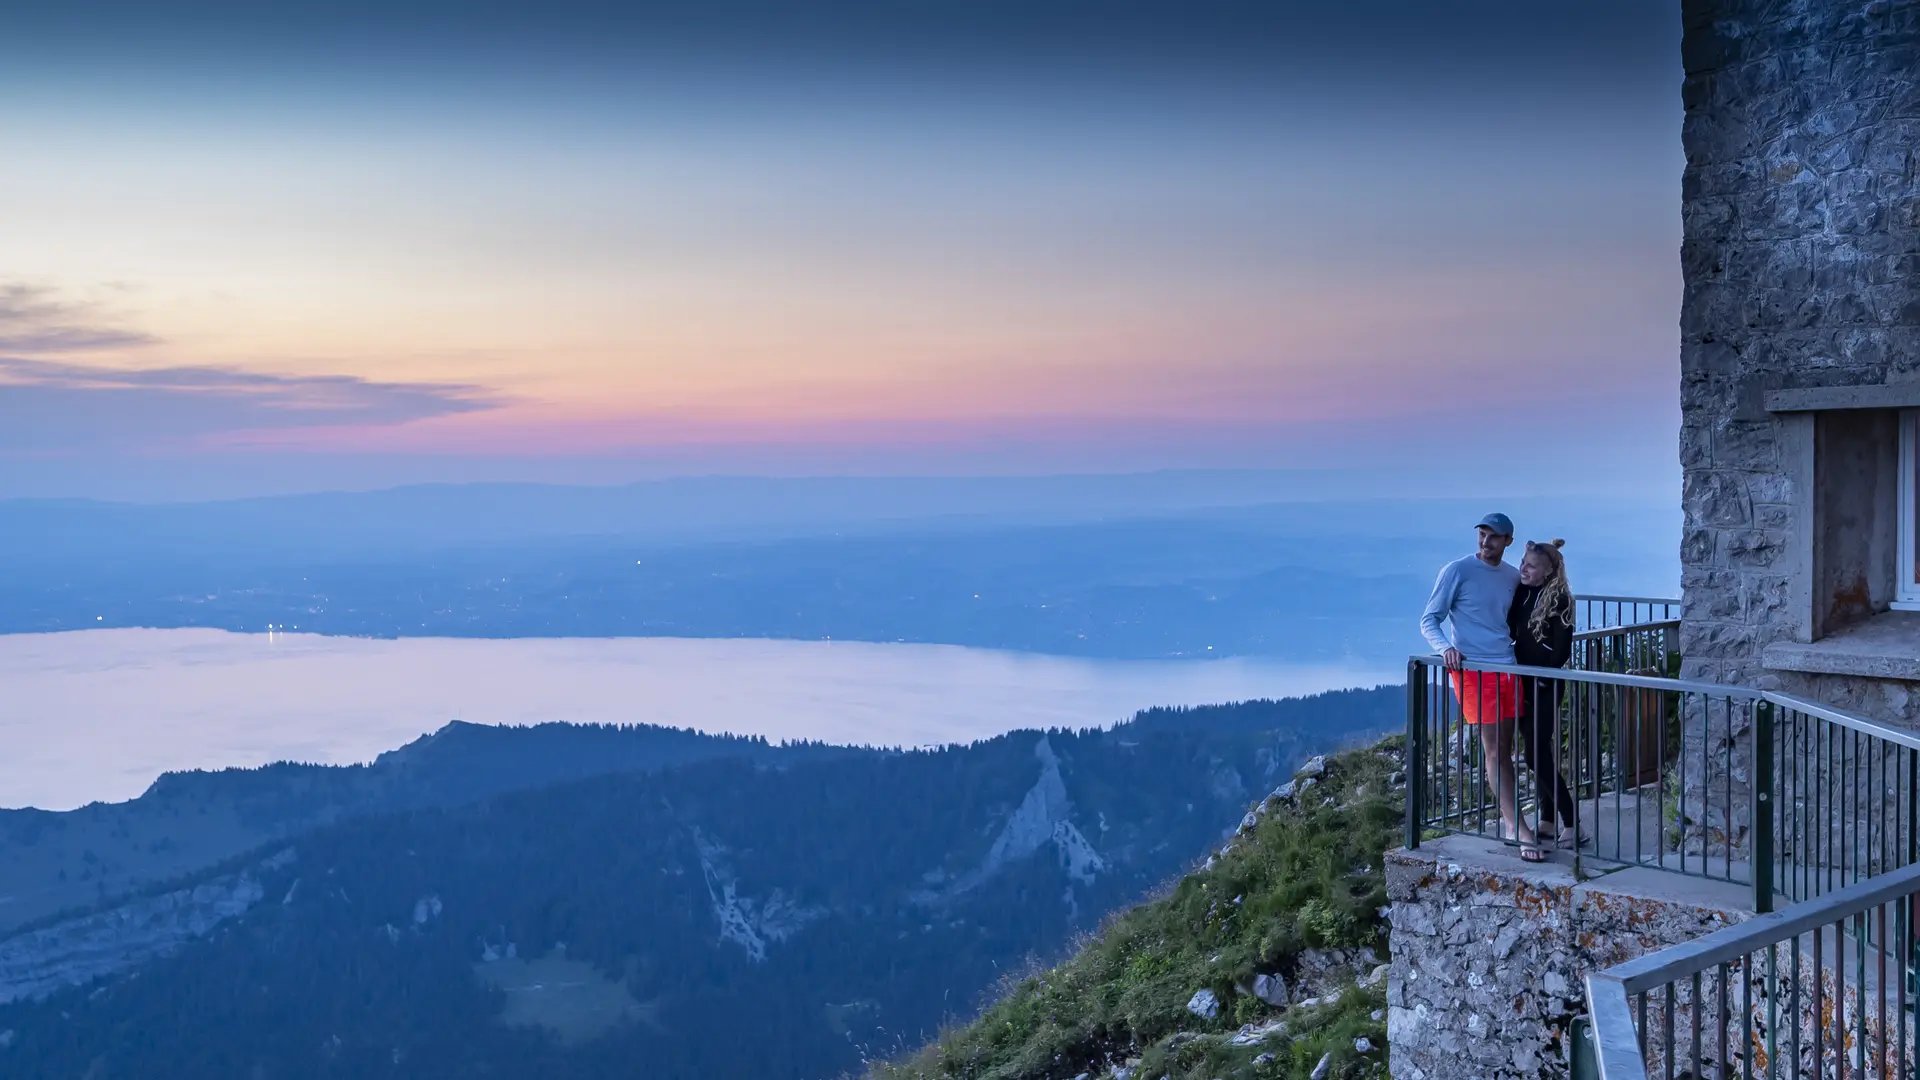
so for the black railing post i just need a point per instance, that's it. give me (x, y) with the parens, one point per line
(1416, 751)
(1910, 911)
(1760, 819)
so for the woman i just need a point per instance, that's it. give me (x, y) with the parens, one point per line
(1541, 621)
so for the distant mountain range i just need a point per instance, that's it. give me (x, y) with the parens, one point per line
(1334, 581)
(563, 902)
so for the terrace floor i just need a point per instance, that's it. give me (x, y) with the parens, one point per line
(1623, 831)
(1646, 882)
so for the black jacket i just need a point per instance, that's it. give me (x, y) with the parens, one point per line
(1557, 649)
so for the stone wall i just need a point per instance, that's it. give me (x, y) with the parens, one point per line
(1801, 257)
(1801, 254)
(1489, 953)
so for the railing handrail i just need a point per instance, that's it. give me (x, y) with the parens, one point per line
(1616, 1039)
(1861, 724)
(1626, 628)
(1897, 736)
(1597, 598)
(1644, 682)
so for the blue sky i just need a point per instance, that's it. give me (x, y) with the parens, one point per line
(258, 248)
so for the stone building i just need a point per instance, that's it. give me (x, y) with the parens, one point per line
(1800, 453)
(1800, 349)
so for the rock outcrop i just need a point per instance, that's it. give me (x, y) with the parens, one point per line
(76, 951)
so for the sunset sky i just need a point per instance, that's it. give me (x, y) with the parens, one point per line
(246, 249)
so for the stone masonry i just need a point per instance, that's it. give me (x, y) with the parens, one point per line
(1489, 953)
(1800, 344)
(1801, 255)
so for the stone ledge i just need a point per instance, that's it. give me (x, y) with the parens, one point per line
(1824, 398)
(1886, 646)
(1451, 856)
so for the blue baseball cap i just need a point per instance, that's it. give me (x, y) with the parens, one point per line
(1500, 524)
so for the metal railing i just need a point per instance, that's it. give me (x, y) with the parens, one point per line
(1845, 799)
(1821, 989)
(1595, 611)
(1637, 761)
(1790, 797)
(1646, 648)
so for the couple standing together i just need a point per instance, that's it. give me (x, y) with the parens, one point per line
(1496, 613)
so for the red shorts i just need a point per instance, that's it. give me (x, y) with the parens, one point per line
(1487, 697)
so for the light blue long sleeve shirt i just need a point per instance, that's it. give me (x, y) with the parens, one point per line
(1472, 598)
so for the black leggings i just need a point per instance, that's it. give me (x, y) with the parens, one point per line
(1539, 727)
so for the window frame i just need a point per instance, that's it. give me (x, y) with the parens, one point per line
(1906, 593)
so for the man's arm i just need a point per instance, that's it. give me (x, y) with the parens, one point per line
(1438, 606)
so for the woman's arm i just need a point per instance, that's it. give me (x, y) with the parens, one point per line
(1560, 631)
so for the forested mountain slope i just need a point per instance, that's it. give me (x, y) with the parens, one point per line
(738, 917)
(54, 861)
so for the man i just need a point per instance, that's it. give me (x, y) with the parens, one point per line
(1472, 596)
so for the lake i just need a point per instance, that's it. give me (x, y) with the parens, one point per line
(98, 714)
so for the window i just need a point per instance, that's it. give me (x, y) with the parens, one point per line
(1907, 585)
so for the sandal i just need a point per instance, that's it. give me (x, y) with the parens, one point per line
(1530, 850)
(1571, 839)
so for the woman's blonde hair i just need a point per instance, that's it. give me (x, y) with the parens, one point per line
(1556, 596)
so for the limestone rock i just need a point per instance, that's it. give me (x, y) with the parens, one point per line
(1320, 1071)
(78, 950)
(1204, 1004)
(1316, 766)
(1556, 983)
(1256, 1033)
(1321, 961)
(1271, 989)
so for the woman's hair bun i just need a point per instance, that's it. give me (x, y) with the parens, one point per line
(1557, 542)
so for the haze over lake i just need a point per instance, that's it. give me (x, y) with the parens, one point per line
(97, 715)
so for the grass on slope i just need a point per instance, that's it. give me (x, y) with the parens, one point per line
(1306, 879)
